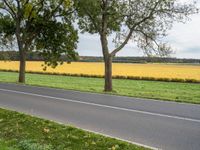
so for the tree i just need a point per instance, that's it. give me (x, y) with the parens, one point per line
(44, 26)
(144, 22)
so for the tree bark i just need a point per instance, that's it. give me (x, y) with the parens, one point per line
(107, 64)
(107, 56)
(22, 66)
(22, 48)
(108, 74)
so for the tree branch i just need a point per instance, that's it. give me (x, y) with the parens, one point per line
(115, 51)
(93, 21)
(18, 4)
(7, 10)
(11, 11)
(53, 11)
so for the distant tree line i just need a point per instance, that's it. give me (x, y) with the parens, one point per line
(31, 56)
(34, 56)
(14, 56)
(141, 60)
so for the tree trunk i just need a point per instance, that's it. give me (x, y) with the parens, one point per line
(108, 74)
(107, 64)
(22, 66)
(22, 47)
(108, 67)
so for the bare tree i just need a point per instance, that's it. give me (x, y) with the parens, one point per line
(144, 22)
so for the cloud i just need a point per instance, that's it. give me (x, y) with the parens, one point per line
(185, 38)
(89, 45)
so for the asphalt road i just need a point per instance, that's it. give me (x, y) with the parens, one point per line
(163, 125)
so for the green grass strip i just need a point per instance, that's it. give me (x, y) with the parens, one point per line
(24, 132)
(179, 80)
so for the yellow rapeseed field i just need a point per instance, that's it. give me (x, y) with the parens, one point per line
(119, 69)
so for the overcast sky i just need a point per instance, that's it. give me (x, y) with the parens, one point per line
(184, 39)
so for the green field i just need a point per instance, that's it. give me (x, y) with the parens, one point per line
(23, 132)
(170, 91)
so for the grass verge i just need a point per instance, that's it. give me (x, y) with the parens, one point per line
(4, 146)
(179, 80)
(24, 132)
(170, 91)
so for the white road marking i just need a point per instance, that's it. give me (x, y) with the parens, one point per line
(105, 106)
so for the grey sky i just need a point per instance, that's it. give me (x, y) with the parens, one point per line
(184, 38)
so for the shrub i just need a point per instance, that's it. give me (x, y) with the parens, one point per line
(31, 145)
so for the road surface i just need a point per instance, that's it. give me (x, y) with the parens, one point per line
(163, 125)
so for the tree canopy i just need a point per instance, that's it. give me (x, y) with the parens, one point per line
(45, 26)
(144, 21)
